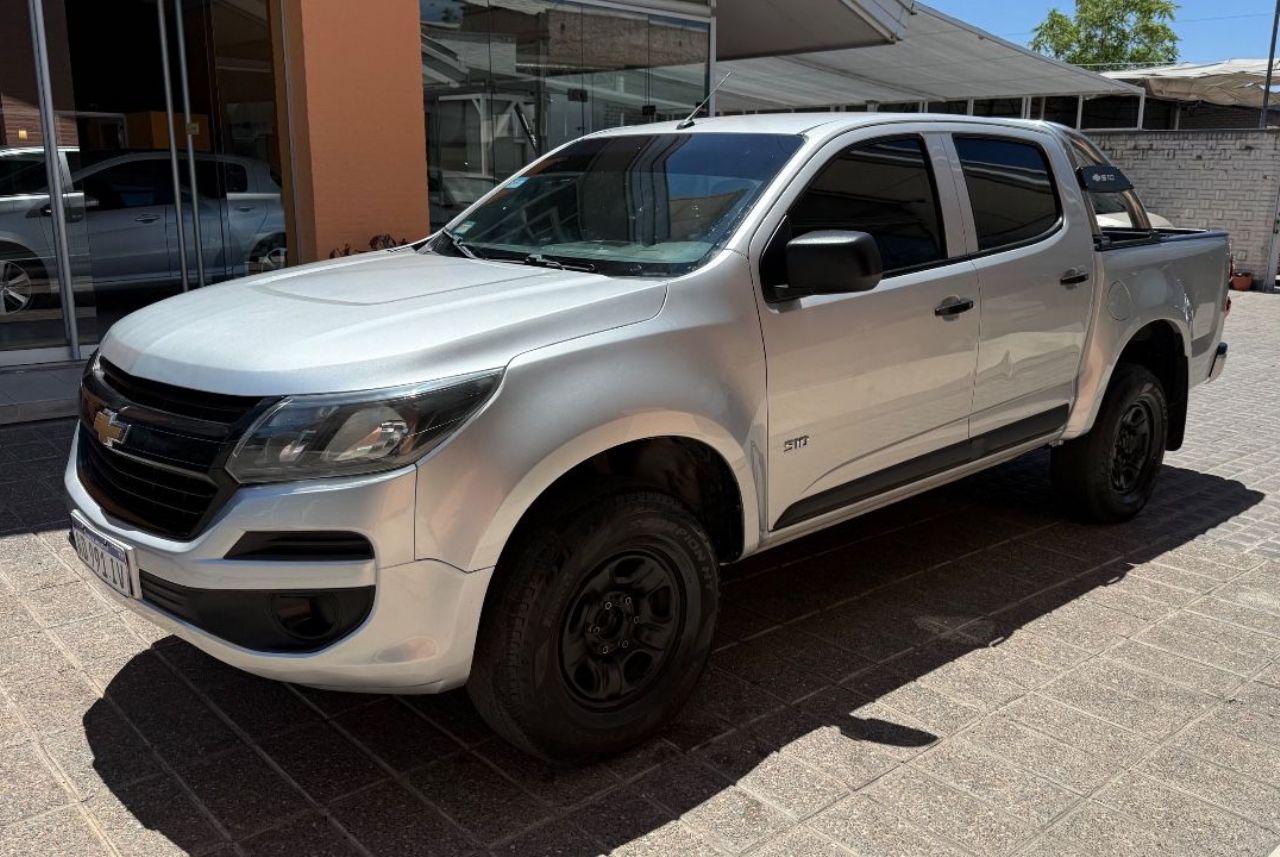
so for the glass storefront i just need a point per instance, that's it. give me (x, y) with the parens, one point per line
(161, 123)
(167, 149)
(505, 80)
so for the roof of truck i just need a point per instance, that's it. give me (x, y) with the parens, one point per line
(801, 123)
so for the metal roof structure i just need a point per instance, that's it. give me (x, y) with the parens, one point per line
(770, 28)
(937, 58)
(1234, 83)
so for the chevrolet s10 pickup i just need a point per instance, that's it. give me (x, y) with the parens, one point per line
(515, 455)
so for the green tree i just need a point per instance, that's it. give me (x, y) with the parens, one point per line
(1110, 33)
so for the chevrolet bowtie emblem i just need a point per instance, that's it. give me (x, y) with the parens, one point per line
(109, 428)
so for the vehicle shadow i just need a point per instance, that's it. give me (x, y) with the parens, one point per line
(813, 692)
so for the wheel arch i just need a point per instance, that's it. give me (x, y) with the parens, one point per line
(706, 469)
(1159, 344)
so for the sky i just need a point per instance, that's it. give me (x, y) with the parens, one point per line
(1210, 29)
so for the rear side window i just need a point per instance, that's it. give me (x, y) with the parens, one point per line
(884, 188)
(1011, 190)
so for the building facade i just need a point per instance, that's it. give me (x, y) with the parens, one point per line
(153, 146)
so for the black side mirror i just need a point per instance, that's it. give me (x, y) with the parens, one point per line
(1103, 178)
(832, 262)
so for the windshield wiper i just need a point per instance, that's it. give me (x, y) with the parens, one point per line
(537, 259)
(459, 244)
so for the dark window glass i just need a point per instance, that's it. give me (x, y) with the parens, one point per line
(133, 184)
(22, 174)
(1011, 189)
(883, 188)
(215, 178)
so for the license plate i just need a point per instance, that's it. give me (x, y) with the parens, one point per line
(107, 558)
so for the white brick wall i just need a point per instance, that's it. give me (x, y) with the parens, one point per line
(1206, 179)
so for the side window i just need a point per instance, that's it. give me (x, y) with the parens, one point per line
(1011, 190)
(1111, 210)
(22, 174)
(133, 184)
(884, 188)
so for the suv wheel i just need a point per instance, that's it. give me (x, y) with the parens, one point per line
(598, 628)
(1108, 474)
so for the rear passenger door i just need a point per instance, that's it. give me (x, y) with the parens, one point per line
(1032, 246)
(867, 391)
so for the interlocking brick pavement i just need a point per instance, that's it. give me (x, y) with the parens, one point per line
(965, 673)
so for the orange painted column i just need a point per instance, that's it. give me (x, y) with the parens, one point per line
(354, 152)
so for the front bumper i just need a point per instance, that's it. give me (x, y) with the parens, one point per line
(420, 632)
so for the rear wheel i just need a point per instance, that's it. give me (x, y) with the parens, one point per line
(1108, 474)
(22, 281)
(598, 628)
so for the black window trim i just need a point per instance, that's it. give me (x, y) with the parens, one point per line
(1053, 180)
(922, 138)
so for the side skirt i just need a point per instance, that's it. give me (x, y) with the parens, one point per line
(926, 466)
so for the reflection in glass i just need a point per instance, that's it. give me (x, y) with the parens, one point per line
(506, 80)
(30, 302)
(122, 205)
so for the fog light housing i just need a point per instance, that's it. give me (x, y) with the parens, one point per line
(307, 617)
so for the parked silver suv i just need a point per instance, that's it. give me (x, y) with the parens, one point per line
(516, 454)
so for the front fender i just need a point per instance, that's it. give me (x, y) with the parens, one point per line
(695, 371)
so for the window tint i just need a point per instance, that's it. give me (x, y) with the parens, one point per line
(132, 184)
(1011, 189)
(884, 188)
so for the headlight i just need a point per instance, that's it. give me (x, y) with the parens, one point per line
(307, 437)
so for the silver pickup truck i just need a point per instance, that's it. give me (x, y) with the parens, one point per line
(516, 454)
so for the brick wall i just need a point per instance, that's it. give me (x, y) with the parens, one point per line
(1219, 179)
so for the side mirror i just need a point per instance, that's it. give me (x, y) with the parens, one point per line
(1103, 178)
(832, 262)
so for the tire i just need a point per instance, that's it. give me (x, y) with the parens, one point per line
(1108, 475)
(597, 628)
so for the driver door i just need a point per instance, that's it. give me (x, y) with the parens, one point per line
(873, 390)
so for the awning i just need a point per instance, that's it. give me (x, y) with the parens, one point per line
(759, 28)
(1237, 83)
(938, 59)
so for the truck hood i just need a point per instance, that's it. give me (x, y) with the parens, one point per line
(375, 320)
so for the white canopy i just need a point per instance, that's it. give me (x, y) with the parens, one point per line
(938, 59)
(1238, 83)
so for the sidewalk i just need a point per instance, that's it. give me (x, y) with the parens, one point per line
(38, 392)
(967, 673)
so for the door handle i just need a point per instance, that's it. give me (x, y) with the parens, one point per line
(953, 306)
(245, 208)
(147, 218)
(1074, 277)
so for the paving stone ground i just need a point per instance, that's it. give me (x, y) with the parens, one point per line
(966, 673)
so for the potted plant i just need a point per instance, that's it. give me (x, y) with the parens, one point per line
(1241, 281)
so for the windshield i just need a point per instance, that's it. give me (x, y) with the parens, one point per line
(635, 204)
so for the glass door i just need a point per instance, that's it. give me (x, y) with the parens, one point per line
(33, 326)
(166, 126)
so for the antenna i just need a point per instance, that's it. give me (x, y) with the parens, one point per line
(688, 120)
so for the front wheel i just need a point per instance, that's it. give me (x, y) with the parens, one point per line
(598, 628)
(1108, 474)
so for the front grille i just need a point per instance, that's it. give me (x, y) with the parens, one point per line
(168, 502)
(179, 401)
(165, 473)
